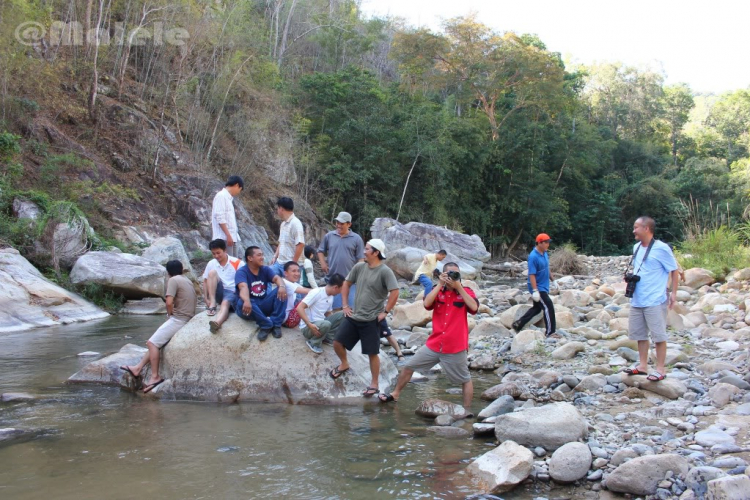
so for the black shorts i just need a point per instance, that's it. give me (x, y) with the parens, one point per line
(385, 330)
(368, 332)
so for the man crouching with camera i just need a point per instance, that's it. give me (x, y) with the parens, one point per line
(448, 343)
(653, 265)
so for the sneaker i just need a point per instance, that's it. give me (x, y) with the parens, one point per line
(277, 332)
(313, 347)
(516, 326)
(263, 334)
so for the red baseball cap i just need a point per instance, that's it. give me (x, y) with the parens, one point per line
(542, 237)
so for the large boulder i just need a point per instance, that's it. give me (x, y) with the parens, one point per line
(574, 298)
(167, 248)
(107, 371)
(490, 327)
(405, 261)
(570, 462)
(28, 300)
(641, 475)
(468, 249)
(526, 340)
(410, 315)
(669, 387)
(549, 426)
(515, 312)
(233, 365)
(501, 469)
(697, 277)
(122, 273)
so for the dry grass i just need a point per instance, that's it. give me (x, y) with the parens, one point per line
(564, 261)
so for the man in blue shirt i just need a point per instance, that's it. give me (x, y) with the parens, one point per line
(650, 301)
(257, 301)
(538, 283)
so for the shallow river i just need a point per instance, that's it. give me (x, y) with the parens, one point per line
(101, 442)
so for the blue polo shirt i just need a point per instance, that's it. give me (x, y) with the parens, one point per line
(539, 267)
(651, 290)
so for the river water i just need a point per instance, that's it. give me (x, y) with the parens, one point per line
(101, 442)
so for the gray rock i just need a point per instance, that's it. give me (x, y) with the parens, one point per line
(729, 488)
(501, 469)
(570, 462)
(641, 475)
(698, 477)
(669, 388)
(735, 381)
(502, 405)
(743, 409)
(449, 432)
(571, 380)
(444, 420)
(431, 408)
(549, 426)
(569, 350)
(482, 429)
(729, 463)
(16, 397)
(162, 250)
(122, 273)
(628, 353)
(713, 436)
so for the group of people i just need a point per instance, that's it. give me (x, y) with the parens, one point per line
(360, 291)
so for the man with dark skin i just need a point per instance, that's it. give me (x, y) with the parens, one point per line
(339, 251)
(256, 298)
(376, 283)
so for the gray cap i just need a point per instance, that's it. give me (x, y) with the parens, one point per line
(344, 217)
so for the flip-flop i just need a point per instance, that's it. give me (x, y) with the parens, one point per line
(151, 387)
(127, 369)
(336, 373)
(370, 392)
(656, 377)
(387, 398)
(211, 311)
(633, 371)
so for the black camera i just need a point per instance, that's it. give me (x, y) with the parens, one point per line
(631, 280)
(454, 275)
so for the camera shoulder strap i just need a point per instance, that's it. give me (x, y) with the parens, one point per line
(648, 250)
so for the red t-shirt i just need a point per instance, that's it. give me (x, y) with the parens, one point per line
(450, 328)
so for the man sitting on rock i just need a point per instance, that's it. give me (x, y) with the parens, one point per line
(448, 344)
(181, 301)
(218, 283)
(292, 274)
(375, 283)
(256, 298)
(316, 312)
(423, 276)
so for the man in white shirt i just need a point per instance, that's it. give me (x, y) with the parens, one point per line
(291, 237)
(223, 220)
(219, 285)
(315, 310)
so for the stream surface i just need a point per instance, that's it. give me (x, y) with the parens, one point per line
(101, 442)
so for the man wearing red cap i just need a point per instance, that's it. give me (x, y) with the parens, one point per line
(538, 282)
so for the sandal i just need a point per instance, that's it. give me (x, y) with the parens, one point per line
(336, 373)
(633, 371)
(211, 311)
(656, 377)
(387, 398)
(370, 392)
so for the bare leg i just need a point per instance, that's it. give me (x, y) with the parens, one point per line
(467, 388)
(661, 356)
(374, 369)
(223, 312)
(403, 378)
(340, 351)
(643, 354)
(153, 354)
(395, 345)
(212, 282)
(143, 362)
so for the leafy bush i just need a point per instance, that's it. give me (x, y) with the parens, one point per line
(564, 260)
(107, 300)
(9, 145)
(719, 250)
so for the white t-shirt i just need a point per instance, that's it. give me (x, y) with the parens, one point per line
(226, 272)
(318, 304)
(291, 295)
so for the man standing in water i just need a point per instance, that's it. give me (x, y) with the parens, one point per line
(653, 266)
(375, 283)
(181, 301)
(538, 283)
(448, 344)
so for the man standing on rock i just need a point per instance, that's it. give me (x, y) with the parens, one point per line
(538, 283)
(257, 301)
(423, 276)
(375, 283)
(291, 237)
(218, 284)
(654, 263)
(181, 301)
(223, 220)
(339, 251)
(448, 344)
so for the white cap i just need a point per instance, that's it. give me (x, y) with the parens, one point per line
(378, 245)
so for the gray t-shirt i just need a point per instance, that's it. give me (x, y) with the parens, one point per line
(373, 285)
(183, 292)
(342, 253)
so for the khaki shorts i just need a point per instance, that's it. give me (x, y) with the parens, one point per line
(166, 331)
(455, 366)
(645, 320)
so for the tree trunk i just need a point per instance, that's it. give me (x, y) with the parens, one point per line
(406, 184)
(284, 36)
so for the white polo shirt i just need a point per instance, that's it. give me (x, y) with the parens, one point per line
(222, 212)
(318, 304)
(291, 234)
(226, 272)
